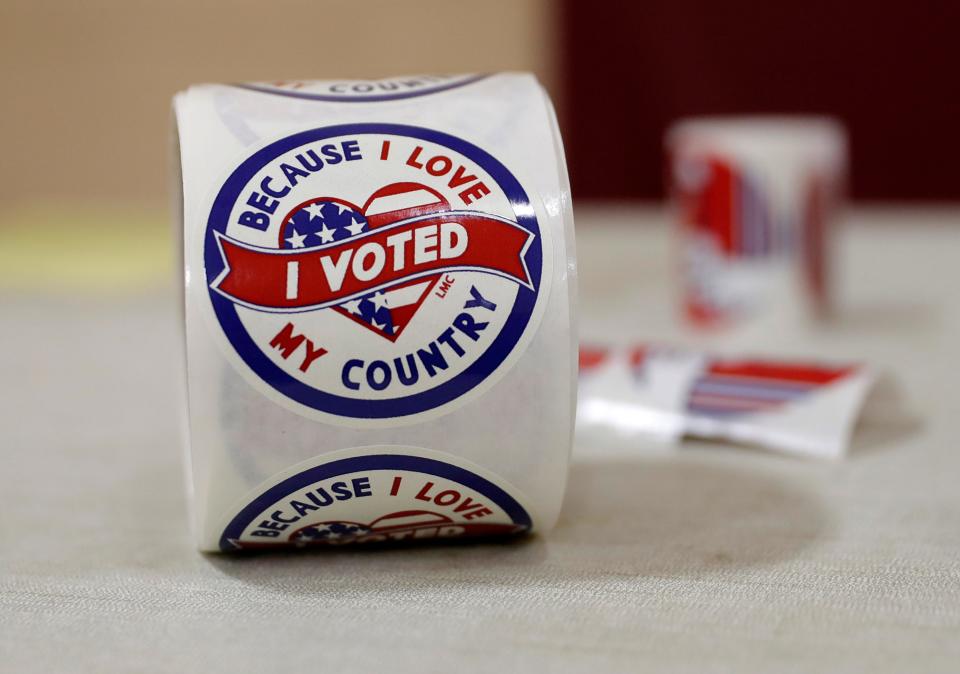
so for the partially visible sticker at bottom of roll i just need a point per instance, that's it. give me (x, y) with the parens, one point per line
(383, 494)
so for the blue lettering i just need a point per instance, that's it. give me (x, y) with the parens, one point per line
(351, 150)
(345, 375)
(478, 301)
(292, 173)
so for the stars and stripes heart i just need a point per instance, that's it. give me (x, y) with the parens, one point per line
(341, 531)
(374, 264)
(401, 525)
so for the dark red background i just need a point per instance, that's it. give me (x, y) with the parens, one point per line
(888, 71)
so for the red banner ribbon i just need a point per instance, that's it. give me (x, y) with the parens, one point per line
(328, 275)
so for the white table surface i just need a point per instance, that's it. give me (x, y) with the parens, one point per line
(706, 558)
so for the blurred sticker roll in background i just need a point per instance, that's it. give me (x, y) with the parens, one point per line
(755, 200)
(380, 328)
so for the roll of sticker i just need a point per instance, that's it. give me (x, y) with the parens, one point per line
(755, 199)
(379, 309)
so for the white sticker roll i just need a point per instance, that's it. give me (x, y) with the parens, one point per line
(754, 200)
(379, 306)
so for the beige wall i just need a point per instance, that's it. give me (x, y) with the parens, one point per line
(87, 83)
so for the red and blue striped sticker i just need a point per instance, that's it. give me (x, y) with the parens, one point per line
(741, 387)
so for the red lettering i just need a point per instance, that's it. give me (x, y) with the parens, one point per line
(476, 514)
(439, 165)
(287, 343)
(423, 495)
(310, 356)
(474, 192)
(447, 497)
(467, 504)
(459, 178)
(444, 286)
(412, 159)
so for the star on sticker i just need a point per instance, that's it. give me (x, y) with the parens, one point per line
(353, 306)
(315, 210)
(355, 228)
(379, 301)
(296, 240)
(340, 207)
(326, 234)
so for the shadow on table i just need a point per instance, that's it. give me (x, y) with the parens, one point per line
(671, 516)
(688, 515)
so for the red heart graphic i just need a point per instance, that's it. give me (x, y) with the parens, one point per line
(387, 312)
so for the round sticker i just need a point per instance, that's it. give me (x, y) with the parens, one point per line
(372, 272)
(390, 89)
(376, 495)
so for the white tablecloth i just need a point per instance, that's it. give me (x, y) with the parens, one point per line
(706, 558)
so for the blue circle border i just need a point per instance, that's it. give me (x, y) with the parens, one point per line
(327, 471)
(376, 98)
(387, 408)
